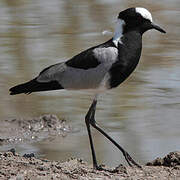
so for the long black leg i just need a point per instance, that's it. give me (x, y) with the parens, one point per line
(90, 119)
(128, 158)
(87, 120)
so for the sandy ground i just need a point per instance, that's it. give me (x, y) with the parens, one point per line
(28, 167)
(15, 167)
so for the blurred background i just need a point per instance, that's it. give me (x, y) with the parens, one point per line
(142, 114)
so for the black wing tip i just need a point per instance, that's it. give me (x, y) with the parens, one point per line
(34, 86)
(11, 91)
(15, 93)
(21, 88)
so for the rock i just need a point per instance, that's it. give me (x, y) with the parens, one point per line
(170, 160)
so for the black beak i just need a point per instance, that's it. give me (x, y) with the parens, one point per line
(154, 26)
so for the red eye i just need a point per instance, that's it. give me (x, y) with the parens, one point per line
(139, 18)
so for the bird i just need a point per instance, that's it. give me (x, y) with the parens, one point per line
(99, 68)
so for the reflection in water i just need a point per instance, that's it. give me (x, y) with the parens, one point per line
(142, 114)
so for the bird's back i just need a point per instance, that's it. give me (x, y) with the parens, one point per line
(86, 70)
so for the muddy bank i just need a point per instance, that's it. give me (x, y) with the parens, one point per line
(33, 129)
(15, 167)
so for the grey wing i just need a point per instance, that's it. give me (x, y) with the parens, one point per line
(88, 70)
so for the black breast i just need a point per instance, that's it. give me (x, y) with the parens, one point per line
(129, 55)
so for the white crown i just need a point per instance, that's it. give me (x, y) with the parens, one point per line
(144, 13)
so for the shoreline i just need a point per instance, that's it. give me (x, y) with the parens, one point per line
(16, 167)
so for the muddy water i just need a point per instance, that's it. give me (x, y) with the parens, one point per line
(142, 114)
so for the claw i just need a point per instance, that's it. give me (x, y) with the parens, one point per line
(100, 168)
(130, 160)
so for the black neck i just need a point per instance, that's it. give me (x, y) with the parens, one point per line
(129, 55)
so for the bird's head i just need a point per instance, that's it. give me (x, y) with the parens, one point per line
(139, 19)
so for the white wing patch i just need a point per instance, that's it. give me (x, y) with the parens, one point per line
(144, 13)
(106, 55)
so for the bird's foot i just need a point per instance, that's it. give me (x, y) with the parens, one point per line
(131, 161)
(101, 168)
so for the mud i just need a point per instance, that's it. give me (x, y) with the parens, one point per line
(15, 167)
(171, 160)
(32, 129)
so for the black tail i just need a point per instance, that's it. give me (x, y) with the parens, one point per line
(35, 86)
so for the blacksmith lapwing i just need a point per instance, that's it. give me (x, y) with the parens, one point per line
(98, 68)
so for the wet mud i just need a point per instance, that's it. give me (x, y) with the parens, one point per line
(32, 129)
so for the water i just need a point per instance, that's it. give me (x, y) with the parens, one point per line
(142, 114)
